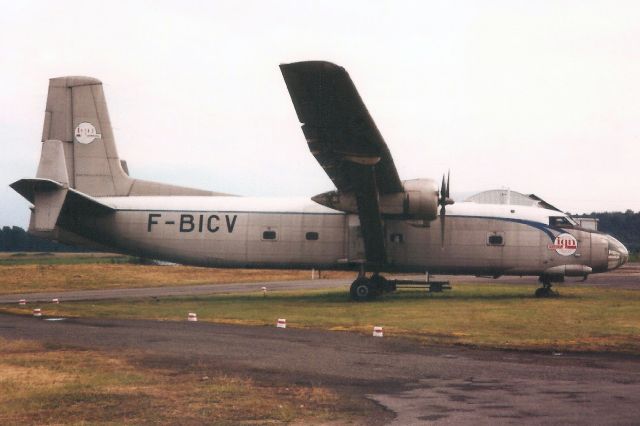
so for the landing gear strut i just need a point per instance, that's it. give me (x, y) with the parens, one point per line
(364, 288)
(545, 290)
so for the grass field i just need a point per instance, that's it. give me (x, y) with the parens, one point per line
(488, 315)
(49, 385)
(47, 258)
(483, 315)
(31, 278)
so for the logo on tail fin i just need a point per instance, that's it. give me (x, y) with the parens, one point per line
(85, 133)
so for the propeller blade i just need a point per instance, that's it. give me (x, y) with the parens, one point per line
(448, 176)
(443, 201)
(442, 216)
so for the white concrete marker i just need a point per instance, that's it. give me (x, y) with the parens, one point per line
(22, 301)
(192, 317)
(37, 312)
(55, 301)
(377, 331)
(282, 323)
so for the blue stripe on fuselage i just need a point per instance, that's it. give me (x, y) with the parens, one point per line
(540, 226)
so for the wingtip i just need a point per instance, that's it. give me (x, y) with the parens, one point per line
(311, 64)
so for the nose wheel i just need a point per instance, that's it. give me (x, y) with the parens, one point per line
(546, 290)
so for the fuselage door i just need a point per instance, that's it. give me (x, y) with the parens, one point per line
(355, 243)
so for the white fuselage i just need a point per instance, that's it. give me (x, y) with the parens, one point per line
(225, 231)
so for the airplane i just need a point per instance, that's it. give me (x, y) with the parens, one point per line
(373, 222)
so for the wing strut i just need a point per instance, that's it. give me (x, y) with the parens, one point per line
(369, 214)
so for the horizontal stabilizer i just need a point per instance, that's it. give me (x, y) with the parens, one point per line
(50, 197)
(78, 201)
(28, 187)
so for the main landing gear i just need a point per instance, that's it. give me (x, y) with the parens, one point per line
(545, 290)
(364, 288)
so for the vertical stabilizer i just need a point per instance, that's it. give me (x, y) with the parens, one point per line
(76, 114)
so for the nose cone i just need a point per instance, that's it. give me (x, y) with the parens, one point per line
(618, 253)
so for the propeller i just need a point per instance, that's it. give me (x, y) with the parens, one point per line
(443, 202)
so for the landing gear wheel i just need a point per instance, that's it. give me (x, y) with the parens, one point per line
(364, 288)
(381, 285)
(545, 290)
(361, 290)
(542, 292)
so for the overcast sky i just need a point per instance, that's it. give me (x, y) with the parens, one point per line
(540, 97)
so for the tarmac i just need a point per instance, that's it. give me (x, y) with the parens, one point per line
(419, 384)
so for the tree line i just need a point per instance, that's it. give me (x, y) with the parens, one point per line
(625, 226)
(14, 238)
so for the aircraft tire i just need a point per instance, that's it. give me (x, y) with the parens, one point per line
(361, 290)
(546, 292)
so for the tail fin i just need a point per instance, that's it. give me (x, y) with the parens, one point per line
(76, 114)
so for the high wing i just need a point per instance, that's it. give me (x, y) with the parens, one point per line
(346, 142)
(338, 128)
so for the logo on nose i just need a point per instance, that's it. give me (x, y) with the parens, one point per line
(564, 245)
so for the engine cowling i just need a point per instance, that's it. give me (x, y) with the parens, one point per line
(419, 200)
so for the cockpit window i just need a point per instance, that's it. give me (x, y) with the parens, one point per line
(561, 221)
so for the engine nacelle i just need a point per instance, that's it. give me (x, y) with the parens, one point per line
(418, 201)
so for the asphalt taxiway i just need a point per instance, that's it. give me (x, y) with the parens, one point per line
(418, 383)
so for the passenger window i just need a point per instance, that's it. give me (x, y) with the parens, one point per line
(397, 238)
(312, 236)
(495, 239)
(269, 235)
